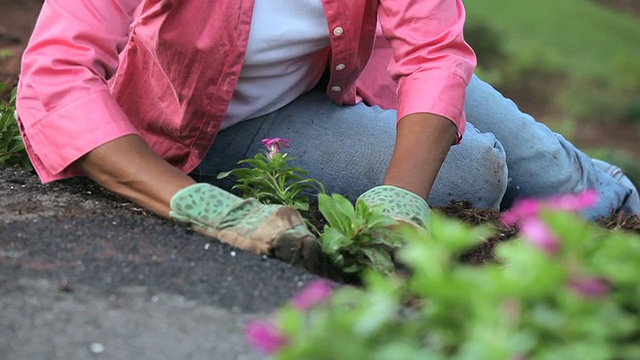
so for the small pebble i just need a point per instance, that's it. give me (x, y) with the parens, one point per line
(96, 348)
(207, 246)
(233, 253)
(64, 286)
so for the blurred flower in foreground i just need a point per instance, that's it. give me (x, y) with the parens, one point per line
(536, 232)
(265, 336)
(313, 294)
(590, 287)
(275, 145)
(530, 208)
(526, 213)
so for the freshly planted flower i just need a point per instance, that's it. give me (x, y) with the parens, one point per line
(270, 179)
(357, 238)
(274, 145)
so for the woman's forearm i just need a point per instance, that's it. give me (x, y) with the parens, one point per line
(422, 142)
(129, 167)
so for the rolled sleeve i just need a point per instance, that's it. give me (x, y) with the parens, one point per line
(64, 135)
(431, 61)
(64, 105)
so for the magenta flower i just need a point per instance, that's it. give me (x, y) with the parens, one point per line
(265, 336)
(530, 208)
(523, 209)
(313, 294)
(536, 232)
(590, 287)
(574, 202)
(275, 145)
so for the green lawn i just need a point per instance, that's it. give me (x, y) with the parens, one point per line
(577, 37)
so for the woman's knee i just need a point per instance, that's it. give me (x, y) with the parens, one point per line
(474, 171)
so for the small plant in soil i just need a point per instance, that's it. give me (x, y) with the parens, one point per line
(357, 238)
(270, 179)
(12, 150)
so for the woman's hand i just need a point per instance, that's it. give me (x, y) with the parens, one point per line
(275, 230)
(402, 205)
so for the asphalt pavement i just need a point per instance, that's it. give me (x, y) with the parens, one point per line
(87, 275)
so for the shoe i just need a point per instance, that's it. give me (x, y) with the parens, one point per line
(631, 205)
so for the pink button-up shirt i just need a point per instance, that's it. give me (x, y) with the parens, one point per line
(166, 69)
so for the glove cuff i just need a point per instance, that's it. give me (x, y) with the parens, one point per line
(201, 202)
(398, 203)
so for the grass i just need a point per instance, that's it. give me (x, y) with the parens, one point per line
(590, 50)
(579, 37)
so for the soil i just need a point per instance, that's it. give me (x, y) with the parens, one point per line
(19, 18)
(80, 266)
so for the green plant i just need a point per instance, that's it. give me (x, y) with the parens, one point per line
(6, 53)
(12, 150)
(564, 289)
(357, 238)
(271, 180)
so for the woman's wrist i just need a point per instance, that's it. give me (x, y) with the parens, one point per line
(422, 143)
(130, 168)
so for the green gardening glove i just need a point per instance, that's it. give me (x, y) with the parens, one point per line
(402, 205)
(274, 230)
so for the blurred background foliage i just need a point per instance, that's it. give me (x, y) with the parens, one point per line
(573, 62)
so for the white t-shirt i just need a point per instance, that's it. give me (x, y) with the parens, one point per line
(286, 56)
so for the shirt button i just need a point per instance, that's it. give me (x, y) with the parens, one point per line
(340, 67)
(338, 31)
(336, 88)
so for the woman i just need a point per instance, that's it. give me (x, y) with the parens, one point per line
(139, 94)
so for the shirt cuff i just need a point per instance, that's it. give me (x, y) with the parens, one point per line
(434, 91)
(66, 134)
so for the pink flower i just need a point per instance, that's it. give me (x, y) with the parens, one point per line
(536, 232)
(274, 145)
(523, 209)
(530, 208)
(590, 287)
(265, 336)
(574, 202)
(313, 294)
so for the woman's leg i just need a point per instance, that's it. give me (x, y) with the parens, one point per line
(540, 162)
(348, 149)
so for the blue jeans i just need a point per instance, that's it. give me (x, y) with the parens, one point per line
(505, 154)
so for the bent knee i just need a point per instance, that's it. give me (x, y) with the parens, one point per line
(474, 171)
